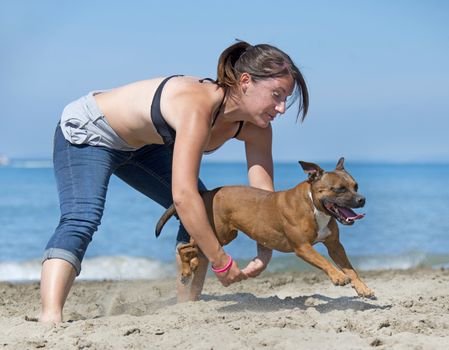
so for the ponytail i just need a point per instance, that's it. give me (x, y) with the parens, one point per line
(226, 74)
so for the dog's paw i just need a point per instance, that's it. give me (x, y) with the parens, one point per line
(362, 290)
(186, 272)
(340, 279)
(366, 293)
(194, 264)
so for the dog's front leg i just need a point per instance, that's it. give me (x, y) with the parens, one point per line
(308, 253)
(338, 255)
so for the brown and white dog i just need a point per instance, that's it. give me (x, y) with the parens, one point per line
(287, 221)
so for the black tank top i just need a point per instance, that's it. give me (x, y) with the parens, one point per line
(167, 133)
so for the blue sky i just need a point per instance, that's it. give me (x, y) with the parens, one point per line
(377, 71)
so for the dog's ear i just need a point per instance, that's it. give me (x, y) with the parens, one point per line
(312, 170)
(340, 164)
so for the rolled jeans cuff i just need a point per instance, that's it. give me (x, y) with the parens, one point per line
(58, 253)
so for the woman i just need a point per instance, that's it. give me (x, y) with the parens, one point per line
(152, 134)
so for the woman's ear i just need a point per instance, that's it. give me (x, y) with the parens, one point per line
(244, 80)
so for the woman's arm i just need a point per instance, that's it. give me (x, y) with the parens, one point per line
(259, 158)
(192, 135)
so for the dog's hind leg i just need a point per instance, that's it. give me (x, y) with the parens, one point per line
(192, 268)
(182, 282)
(186, 255)
(199, 276)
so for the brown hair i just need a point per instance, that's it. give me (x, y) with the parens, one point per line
(261, 61)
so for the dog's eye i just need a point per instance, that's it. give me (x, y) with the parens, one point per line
(339, 189)
(356, 187)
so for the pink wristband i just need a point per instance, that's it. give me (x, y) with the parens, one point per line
(223, 269)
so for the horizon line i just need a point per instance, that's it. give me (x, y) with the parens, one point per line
(11, 161)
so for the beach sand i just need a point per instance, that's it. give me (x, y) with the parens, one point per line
(275, 311)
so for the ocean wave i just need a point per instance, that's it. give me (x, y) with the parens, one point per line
(404, 261)
(98, 268)
(396, 262)
(131, 268)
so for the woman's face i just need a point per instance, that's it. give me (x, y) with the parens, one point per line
(265, 99)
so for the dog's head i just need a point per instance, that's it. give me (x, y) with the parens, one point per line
(334, 192)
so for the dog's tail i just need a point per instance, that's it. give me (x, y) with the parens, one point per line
(164, 218)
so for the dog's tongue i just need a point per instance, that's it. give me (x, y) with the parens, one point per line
(349, 214)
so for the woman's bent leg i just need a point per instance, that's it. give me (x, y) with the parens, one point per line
(82, 176)
(150, 173)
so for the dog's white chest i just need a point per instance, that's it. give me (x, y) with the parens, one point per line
(322, 220)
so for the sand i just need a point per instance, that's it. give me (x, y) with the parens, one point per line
(275, 311)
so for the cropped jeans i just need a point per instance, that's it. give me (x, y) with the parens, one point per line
(82, 176)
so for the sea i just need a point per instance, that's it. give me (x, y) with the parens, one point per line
(406, 224)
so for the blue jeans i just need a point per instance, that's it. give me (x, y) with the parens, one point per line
(82, 176)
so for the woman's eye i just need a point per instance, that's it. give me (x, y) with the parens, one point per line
(277, 96)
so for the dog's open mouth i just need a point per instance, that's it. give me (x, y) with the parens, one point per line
(345, 215)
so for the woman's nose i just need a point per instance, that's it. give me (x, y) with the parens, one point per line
(280, 107)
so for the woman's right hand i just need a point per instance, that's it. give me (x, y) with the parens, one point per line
(231, 276)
